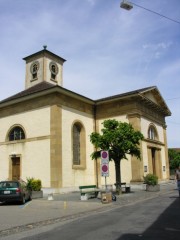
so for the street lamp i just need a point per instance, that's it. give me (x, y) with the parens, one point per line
(129, 5)
(126, 5)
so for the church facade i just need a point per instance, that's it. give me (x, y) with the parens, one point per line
(45, 129)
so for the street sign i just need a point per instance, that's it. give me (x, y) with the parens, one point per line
(104, 156)
(104, 163)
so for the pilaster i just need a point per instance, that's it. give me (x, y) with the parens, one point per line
(136, 164)
(56, 147)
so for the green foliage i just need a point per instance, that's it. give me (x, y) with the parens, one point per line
(120, 139)
(151, 179)
(34, 184)
(174, 158)
(23, 184)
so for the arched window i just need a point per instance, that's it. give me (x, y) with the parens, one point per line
(16, 133)
(152, 133)
(34, 69)
(54, 70)
(78, 146)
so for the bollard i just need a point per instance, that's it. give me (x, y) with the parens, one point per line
(50, 197)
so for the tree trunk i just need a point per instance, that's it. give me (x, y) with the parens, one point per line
(118, 175)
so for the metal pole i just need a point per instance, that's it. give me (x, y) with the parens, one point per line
(105, 183)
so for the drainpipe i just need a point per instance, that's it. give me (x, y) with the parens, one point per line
(95, 129)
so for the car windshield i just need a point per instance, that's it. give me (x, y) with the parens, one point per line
(8, 184)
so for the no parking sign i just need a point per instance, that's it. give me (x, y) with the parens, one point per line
(104, 163)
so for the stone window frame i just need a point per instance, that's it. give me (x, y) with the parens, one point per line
(20, 135)
(34, 71)
(53, 67)
(81, 141)
(152, 132)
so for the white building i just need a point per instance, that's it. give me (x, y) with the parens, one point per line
(44, 130)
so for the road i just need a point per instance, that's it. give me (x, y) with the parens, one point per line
(157, 218)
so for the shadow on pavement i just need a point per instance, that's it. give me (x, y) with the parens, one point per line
(167, 226)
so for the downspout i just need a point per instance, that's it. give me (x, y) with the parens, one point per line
(95, 129)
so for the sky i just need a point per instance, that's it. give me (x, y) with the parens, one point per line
(108, 50)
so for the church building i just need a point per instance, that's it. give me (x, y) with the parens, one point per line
(45, 130)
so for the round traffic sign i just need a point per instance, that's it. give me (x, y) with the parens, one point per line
(104, 154)
(104, 168)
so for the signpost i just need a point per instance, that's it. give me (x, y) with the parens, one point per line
(105, 165)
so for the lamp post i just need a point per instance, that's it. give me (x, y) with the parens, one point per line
(126, 5)
(129, 5)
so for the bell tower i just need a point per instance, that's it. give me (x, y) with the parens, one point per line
(44, 66)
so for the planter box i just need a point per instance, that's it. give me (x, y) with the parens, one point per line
(36, 194)
(154, 188)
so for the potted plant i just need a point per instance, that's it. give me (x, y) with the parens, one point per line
(35, 185)
(151, 182)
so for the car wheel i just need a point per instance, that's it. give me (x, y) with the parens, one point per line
(30, 198)
(23, 200)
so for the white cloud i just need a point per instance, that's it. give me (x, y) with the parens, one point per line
(161, 45)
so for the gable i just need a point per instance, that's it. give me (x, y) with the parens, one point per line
(153, 95)
(150, 96)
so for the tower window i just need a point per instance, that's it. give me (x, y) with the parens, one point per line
(34, 69)
(54, 70)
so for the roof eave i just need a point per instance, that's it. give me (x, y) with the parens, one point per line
(165, 110)
(45, 92)
(44, 51)
(115, 98)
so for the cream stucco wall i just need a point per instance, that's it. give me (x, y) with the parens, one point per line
(144, 153)
(34, 151)
(145, 126)
(76, 177)
(4, 163)
(163, 157)
(35, 123)
(36, 163)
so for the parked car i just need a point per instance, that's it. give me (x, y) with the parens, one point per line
(12, 191)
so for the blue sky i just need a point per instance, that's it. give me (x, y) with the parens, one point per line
(108, 50)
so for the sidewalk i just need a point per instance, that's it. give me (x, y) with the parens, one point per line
(68, 206)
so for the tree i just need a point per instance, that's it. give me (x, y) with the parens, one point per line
(120, 139)
(174, 158)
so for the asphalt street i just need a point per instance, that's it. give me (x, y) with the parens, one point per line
(156, 218)
(135, 215)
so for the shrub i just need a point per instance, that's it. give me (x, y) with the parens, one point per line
(34, 184)
(151, 179)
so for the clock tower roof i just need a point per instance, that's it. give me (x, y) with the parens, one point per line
(43, 52)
